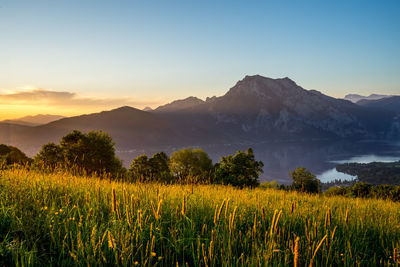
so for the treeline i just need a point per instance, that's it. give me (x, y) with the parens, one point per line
(351, 189)
(94, 153)
(366, 190)
(191, 165)
(374, 172)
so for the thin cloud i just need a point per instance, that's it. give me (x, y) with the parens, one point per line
(41, 96)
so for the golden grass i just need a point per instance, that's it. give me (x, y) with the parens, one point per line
(62, 219)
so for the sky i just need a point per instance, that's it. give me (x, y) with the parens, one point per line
(72, 57)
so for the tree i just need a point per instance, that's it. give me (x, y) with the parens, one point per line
(304, 181)
(239, 170)
(159, 167)
(11, 155)
(92, 152)
(73, 147)
(188, 164)
(139, 169)
(150, 169)
(50, 156)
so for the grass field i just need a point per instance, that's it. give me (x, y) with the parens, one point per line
(61, 219)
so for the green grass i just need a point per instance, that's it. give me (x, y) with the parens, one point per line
(61, 219)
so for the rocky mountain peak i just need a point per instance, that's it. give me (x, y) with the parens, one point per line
(260, 86)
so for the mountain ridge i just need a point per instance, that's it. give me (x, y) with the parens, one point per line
(355, 98)
(255, 109)
(34, 120)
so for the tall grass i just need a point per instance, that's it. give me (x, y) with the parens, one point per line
(61, 219)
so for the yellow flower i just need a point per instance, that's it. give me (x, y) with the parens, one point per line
(56, 213)
(136, 263)
(60, 210)
(153, 254)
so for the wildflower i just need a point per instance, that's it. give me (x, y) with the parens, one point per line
(153, 254)
(56, 213)
(136, 263)
(45, 208)
(61, 210)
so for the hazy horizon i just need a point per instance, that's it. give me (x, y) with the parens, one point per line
(47, 99)
(74, 57)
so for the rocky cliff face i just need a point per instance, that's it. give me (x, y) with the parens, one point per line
(259, 106)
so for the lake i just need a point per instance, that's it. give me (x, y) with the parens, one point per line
(279, 158)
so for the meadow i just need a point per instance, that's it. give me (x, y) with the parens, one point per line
(61, 219)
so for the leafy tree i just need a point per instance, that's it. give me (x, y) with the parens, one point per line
(159, 166)
(188, 164)
(50, 156)
(92, 152)
(139, 169)
(150, 169)
(239, 170)
(304, 181)
(11, 155)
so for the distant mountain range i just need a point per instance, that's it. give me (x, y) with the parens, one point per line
(34, 120)
(388, 103)
(356, 98)
(256, 110)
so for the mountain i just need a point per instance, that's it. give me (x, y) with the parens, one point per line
(391, 104)
(355, 97)
(129, 127)
(256, 110)
(180, 104)
(259, 108)
(34, 120)
(10, 133)
(147, 109)
(388, 103)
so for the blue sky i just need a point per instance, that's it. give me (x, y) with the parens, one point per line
(150, 52)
